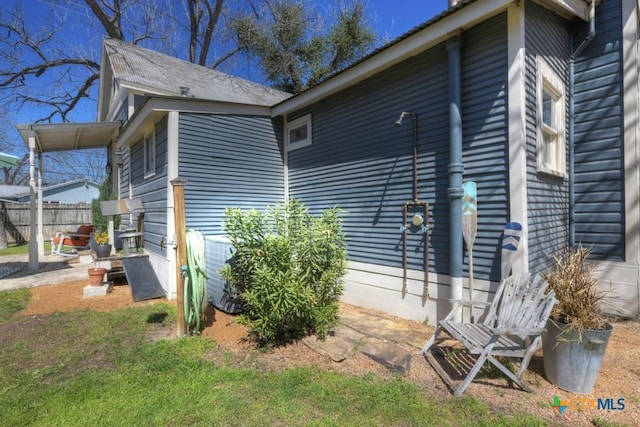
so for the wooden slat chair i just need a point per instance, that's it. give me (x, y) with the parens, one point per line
(520, 308)
(78, 240)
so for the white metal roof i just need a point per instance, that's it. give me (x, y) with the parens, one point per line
(162, 74)
(69, 136)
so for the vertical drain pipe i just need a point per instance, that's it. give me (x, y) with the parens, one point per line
(572, 58)
(456, 166)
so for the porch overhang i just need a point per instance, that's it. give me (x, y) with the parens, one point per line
(51, 137)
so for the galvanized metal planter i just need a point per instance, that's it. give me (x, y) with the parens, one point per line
(572, 359)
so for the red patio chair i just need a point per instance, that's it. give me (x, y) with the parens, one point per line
(76, 241)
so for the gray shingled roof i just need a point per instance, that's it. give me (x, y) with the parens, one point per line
(159, 72)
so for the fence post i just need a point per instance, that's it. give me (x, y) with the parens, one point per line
(181, 248)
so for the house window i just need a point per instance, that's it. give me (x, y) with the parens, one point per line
(551, 117)
(150, 154)
(298, 132)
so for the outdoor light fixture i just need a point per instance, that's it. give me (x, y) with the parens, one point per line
(131, 243)
(119, 157)
(109, 168)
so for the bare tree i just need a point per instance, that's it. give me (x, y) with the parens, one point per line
(68, 69)
(203, 18)
(51, 64)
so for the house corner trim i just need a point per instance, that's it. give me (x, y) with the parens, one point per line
(517, 130)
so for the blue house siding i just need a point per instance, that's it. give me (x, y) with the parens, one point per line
(364, 164)
(229, 161)
(485, 137)
(72, 192)
(547, 36)
(152, 190)
(599, 151)
(80, 194)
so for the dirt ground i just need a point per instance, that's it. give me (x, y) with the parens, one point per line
(618, 378)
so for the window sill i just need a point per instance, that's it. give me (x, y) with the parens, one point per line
(550, 173)
(298, 145)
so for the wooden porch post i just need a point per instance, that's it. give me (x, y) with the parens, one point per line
(181, 248)
(40, 237)
(33, 243)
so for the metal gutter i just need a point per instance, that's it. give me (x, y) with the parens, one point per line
(456, 167)
(572, 205)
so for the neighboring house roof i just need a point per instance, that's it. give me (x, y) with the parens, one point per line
(162, 74)
(77, 191)
(12, 192)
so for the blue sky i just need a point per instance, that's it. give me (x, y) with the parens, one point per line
(390, 18)
(394, 18)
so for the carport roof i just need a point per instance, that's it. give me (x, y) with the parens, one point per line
(69, 136)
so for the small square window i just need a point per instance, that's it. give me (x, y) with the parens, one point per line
(150, 154)
(551, 117)
(298, 132)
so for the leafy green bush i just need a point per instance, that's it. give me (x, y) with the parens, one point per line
(100, 222)
(288, 269)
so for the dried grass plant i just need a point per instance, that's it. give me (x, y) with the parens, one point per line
(570, 275)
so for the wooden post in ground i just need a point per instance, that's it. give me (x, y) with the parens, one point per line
(181, 249)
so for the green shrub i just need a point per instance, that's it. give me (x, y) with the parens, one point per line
(288, 269)
(100, 222)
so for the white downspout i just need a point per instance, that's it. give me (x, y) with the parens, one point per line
(285, 149)
(173, 156)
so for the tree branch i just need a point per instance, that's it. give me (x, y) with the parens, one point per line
(225, 57)
(214, 15)
(39, 69)
(112, 25)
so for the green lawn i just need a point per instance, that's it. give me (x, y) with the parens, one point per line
(89, 368)
(22, 249)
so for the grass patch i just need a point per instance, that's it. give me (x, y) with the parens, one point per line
(13, 301)
(22, 249)
(599, 422)
(89, 368)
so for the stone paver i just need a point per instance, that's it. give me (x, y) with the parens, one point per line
(388, 354)
(337, 346)
(388, 342)
(53, 269)
(387, 329)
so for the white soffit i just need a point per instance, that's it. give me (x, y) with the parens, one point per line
(69, 136)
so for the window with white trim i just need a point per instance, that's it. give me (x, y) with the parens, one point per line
(150, 154)
(551, 121)
(298, 132)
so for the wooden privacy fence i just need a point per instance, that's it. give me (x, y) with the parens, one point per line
(55, 217)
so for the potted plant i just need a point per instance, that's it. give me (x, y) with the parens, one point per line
(102, 247)
(577, 332)
(96, 276)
